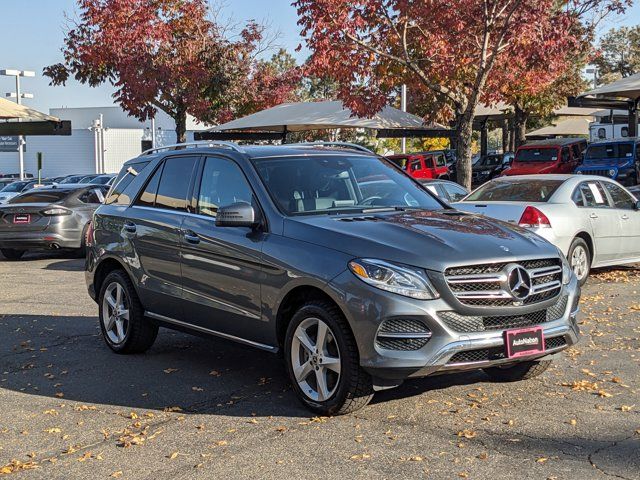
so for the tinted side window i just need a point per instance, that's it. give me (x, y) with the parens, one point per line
(577, 153)
(565, 154)
(621, 199)
(441, 161)
(455, 192)
(95, 195)
(415, 165)
(148, 197)
(122, 181)
(222, 184)
(174, 183)
(594, 195)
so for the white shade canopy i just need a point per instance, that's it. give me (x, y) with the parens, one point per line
(572, 127)
(303, 116)
(628, 87)
(13, 112)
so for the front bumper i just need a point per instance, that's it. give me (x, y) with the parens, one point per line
(367, 308)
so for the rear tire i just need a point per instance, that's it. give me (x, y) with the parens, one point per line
(129, 332)
(580, 259)
(520, 371)
(12, 253)
(346, 391)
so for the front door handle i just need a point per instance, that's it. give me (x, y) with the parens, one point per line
(625, 217)
(130, 227)
(191, 237)
(593, 215)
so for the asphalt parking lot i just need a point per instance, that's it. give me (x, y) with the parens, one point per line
(199, 408)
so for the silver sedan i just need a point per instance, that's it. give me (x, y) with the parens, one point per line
(593, 220)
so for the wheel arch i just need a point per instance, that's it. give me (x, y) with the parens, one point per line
(589, 241)
(295, 298)
(104, 268)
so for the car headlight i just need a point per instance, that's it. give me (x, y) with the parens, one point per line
(567, 272)
(612, 173)
(403, 280)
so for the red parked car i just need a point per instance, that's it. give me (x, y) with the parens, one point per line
(557, 155)
(422, 164)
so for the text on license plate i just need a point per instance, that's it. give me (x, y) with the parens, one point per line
(524, 341)
(21, 218)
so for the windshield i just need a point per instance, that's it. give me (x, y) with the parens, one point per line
(72, 179)
(515, 191)
(40, 197)
(537, 155)
(14, 187)
(611, 150)
(489, 161)
(102, 180)
(330, 184)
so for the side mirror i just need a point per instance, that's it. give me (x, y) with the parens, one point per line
(239, 214)
(637, 205)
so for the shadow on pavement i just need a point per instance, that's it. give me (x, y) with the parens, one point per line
(66, 358)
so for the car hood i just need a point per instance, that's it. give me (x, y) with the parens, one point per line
(607, 163)
(431, 240)
(529, 168)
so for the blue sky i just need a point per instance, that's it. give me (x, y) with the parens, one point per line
(32, 32)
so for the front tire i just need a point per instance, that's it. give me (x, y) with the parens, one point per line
(518, 372)
(12, 253)
(580, 260)
(124, 326)
(323, 362)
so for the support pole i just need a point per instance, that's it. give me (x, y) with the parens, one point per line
(403, 107)
(633, 118)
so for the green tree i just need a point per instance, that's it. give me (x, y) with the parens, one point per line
(618, 54)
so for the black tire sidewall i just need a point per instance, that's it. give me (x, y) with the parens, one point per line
(12, 254)
(333, 404)
(116, 276)
(579, 241)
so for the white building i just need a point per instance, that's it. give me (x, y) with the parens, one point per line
(121, 137)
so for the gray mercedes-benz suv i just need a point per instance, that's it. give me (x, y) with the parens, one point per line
(332, 256)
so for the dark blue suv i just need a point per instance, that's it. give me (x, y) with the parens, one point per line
(617, 159)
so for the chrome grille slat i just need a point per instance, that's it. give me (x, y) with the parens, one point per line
(484, 285)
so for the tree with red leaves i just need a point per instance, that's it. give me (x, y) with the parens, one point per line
(168, 55)
(448, 53)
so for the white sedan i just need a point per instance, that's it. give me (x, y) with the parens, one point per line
(594, 220)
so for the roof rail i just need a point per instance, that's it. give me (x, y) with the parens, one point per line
(352, 146)
(206, 143)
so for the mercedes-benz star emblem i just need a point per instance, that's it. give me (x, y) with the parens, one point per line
(518, 282)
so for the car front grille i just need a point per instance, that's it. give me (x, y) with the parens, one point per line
(498, 353)
(402, 334)
(485, 285)
(598, 172)
(472, 323)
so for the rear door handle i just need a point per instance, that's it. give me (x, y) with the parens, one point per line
(191, 237)
(130, 227)
(593, 215)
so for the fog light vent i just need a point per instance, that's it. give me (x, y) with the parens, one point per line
(402, 334)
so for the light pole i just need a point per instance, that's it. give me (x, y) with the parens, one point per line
(19, 96)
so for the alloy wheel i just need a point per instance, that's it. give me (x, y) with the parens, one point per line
(580, 262)
(315, 358)
(115, 313)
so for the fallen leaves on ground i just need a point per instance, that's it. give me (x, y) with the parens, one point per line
(16, 465)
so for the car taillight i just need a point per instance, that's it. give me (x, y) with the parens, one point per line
(56, 211)
(88, 239)
(532, 218)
